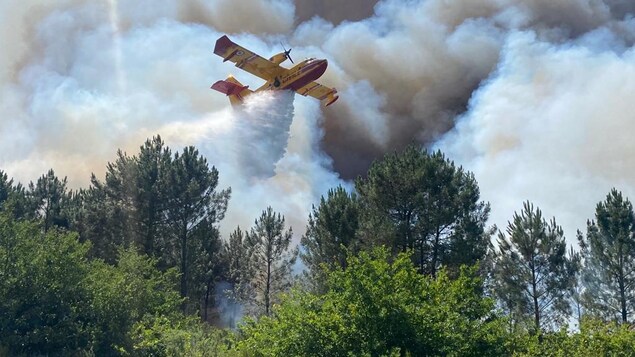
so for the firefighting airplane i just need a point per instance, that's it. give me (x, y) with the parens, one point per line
(300, 78)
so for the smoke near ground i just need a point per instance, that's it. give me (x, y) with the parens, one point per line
(532, 95)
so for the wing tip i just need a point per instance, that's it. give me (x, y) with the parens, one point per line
(222, 44)
(332, 100)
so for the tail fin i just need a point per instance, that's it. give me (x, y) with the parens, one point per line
(233, 89)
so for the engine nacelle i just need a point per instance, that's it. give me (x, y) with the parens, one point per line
(278, 58)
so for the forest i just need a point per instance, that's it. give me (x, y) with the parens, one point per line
(403, 264)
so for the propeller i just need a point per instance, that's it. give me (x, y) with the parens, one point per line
(287, 53)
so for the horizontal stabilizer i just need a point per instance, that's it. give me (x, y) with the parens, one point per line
(228, 88)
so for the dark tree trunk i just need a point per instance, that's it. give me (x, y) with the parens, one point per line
(435, 254)
(535, 299)
(268, 287)
(184, 262)
(206, 302)
(623, 299)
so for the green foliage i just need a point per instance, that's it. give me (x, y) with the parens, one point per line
(166, 206)
(377, 308)
(160, 336)
(13, 198)
(48, 199)
(125, 294)
(238, 273)
(595, 338)
(194, 207)
(609, 256)
(330, 234)
(53, 300)
(97, 271)
(423, 202)
(42, 291)
(270, 260)
(533, 276)
(6, 187)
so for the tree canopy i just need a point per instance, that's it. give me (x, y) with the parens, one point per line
(401, 264)
(534, 275)
(414, 200)
(378, 308)
(609, 253)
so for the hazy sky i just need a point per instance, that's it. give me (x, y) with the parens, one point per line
(534, 96)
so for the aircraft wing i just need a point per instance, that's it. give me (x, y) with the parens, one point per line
(323, 93)
(247, 60)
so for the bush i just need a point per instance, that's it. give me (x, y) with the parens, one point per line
(378, 308)
(54, 301)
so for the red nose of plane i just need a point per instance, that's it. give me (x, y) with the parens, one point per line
(310, 72)
(315, 68)
(321, 67)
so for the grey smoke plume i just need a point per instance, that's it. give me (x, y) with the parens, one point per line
(79, 86)
(540, 90)
(553, 125)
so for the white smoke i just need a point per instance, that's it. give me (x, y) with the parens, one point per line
(230, 311)
(536, 94)
(81, 87)
(554, 126)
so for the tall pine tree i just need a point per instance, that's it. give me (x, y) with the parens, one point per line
(193, 209)
(609, 256)
(6, 187)
(13, 197)
(48, 199)
(271, 258)
(331, 233)
(152, 166)
(239, 269)
(423, 202)
(533, 273)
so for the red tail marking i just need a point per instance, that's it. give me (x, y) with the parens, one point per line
(228, 88)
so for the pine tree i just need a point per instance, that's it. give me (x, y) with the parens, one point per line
(236, 257)
(104, 220)
(609, 256)
(111, 209)
(533, 274)
(151, 169)
(48, 199)
(422, 202)
(271, 259)
(6, 187)
(13, 197)
(132, 201)
(331, 233)
(194, 208)
(237, 274)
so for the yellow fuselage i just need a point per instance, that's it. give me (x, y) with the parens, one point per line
(298, 76)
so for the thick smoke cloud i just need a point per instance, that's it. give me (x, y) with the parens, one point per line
(88, 78)
(553, 126)
(539, 89)
(335, 11)
(427, 57)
